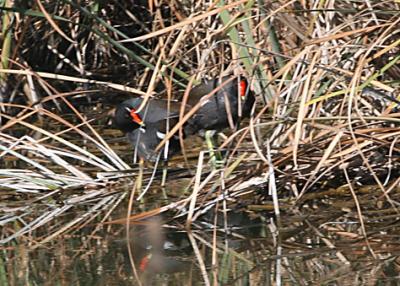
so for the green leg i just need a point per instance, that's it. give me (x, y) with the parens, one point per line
(215, 155)
(164, 178)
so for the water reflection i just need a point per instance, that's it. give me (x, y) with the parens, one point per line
(233, 249)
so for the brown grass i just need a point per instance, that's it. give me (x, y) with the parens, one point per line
(325, 73)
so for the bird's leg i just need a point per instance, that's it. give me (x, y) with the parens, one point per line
(140, 177)
(215, 155)
(164, 166)
(164, 175)
(153, 175)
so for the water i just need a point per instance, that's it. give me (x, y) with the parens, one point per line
(83, 241)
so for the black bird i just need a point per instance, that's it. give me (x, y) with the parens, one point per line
(222, 107)
(146, 128)
(127, 117)
(146, 139)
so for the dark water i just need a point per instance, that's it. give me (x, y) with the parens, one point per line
(247, 251)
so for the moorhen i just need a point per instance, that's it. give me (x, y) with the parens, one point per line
(146, 139)
(146, 129)
(127, 118)
(215, 112)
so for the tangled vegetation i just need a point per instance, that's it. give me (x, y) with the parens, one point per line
(325, 127)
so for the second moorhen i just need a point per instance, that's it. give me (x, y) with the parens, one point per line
(222, 107)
